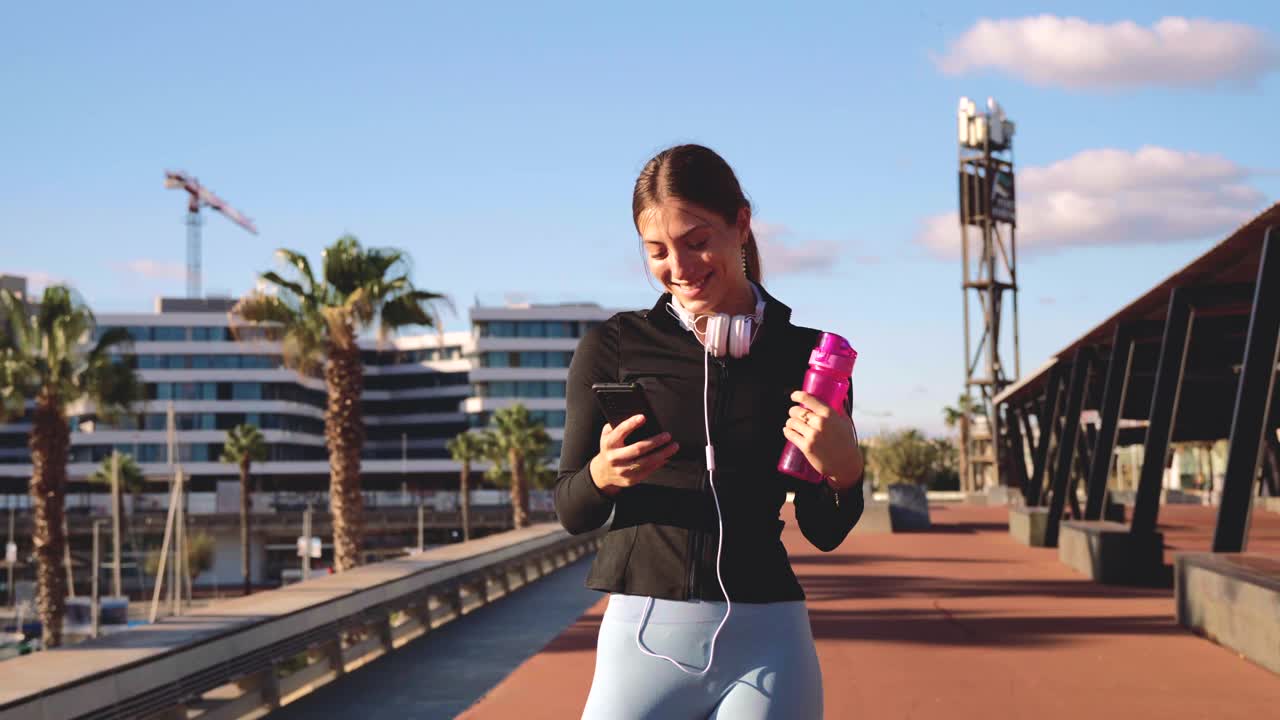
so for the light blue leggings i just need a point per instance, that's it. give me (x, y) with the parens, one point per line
(765, 663)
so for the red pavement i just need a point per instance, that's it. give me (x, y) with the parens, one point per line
(963, 622)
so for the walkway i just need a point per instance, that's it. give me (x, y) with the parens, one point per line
(962, 622)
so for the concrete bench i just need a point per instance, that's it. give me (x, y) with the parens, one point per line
(1232, 599)
(1106, 552)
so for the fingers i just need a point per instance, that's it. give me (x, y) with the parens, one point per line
(815, 405)
(611, 437)
(800, 428)
(629, 469)
(795, 437)
(629, 453)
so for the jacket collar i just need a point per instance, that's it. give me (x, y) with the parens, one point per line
(776, 313)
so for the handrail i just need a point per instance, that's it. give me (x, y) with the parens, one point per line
(238, 656)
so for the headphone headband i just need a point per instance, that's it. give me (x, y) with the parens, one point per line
(725, 334)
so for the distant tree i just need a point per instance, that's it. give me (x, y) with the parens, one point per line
(131, 479)
(133, 482)
(49, 357)
(961, 415)
(906, 456)
(244, 446)
(200, 549)
(514, 439)
(319, 321)
(466, 448)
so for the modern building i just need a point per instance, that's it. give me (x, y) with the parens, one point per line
(522, 355)
(190, 364)
(420, 391)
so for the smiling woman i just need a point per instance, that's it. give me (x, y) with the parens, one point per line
(705, 616)
(695, 224)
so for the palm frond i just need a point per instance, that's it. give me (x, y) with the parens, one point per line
(300, 262)
(274, 278)
(267, 313)
(244, 442)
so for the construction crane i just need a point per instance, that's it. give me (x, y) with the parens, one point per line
(200, 196)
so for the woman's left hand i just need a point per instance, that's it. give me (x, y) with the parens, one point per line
(826, 438)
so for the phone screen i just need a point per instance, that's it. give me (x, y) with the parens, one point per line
(620, 401)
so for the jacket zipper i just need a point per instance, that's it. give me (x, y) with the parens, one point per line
(695, 544)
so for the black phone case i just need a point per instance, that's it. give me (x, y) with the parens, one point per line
(620, 401)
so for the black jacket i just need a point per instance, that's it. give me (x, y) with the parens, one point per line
(662, 542)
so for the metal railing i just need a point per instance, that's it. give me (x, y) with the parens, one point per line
(243, 656)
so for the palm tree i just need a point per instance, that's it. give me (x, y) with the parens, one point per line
(133, 482)
(45, 356)
(319, 321)
(514, 440)
(243, 446)
(131, 479)
(962, 415)
(466, 448)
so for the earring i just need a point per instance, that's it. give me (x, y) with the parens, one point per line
(744, 260)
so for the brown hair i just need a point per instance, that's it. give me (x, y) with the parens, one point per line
(695, 174)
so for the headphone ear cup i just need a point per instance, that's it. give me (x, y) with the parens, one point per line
(718, 334)
(740, 335)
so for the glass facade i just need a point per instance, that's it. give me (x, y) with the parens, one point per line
(172, 333)
(428, 379)
(288, 392)
(189, 452)
(521, 389)
(230, 397)
(525, 358)
(533, 328)
(206, 362)
(399, 357)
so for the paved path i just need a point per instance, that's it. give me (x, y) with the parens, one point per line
(441, 674)
(962, 622)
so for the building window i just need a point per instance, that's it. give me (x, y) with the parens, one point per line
(206, 334)
(169, 334)
(246, 391)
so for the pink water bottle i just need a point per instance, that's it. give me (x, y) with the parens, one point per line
(830, 372)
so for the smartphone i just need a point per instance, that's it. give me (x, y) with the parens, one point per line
(620, 401)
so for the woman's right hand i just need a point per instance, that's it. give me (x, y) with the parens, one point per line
(620, 465)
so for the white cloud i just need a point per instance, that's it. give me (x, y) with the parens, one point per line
(777, 258)
(1078, 54)
(153, 269)
(1118, 197)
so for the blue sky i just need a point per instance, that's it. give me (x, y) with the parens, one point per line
(498, 144)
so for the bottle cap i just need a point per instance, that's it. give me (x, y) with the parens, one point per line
(833, 353)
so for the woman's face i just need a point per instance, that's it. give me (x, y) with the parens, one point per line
(697, 256)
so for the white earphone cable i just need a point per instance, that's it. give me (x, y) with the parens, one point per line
(711, 472)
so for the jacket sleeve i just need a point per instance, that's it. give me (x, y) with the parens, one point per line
(580, 504)
(824, 515)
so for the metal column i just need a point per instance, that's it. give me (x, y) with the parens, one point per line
(1119, 367)
(1046, 422)
(1017, 450)
(1164, 408)
(1253, 398)
(1067, 444)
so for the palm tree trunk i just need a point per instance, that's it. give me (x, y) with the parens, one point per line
(344, 434)
(966, 481)
(244, 525)
(464, 495)
(519, 490)
(50, 438)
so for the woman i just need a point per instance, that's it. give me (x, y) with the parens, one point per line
(694, 547)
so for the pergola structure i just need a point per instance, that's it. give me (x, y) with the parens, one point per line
(1193, 359)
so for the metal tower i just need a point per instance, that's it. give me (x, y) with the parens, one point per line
(200, 196)
(989, 254)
